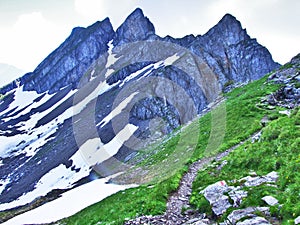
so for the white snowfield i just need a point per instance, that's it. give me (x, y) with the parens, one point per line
(70, 203)
(38, 136)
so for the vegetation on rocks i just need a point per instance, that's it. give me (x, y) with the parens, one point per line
(277, 150)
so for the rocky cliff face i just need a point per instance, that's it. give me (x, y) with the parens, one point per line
(232, 54)
(113, 84)
(69, 62)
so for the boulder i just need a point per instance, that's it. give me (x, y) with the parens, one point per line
(239, 214)
(198, 221)
(218, 201)
(270, 200)
(256, 181)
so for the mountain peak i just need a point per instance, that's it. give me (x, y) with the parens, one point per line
(228, 18)
(136, 27)
(228, 31)
(137, 12)
(229, 22)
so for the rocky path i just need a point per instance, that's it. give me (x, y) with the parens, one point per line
(180, 198)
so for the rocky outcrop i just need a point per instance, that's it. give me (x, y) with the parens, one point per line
(215, 195)
(151, 108)
(288, 76)
(222, 197)
(252, 181)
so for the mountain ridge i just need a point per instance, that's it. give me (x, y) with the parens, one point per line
(144, 31)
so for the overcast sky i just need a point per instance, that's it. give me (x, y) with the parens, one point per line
(31, 29)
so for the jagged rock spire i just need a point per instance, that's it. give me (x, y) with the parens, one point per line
(136, 27)
(229, 30)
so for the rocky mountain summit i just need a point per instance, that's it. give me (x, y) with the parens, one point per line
(136, 27)
(102, 95)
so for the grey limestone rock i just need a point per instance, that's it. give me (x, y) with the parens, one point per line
(237, 196)
(237, 215)
(256, 181)
(288, 75)
(214, 193)
(270, 200)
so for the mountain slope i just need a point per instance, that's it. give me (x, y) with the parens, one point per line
(259, 139)
(103, 95)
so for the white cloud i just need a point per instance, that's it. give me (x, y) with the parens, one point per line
(116, 10)
(91, 9)
(29, 40)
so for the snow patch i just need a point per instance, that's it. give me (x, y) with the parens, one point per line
(3, 184)
(94, 151)
(70, 203)
(90, 153)
(21, 99)
(135, 74)
(170, 60)
(111, 59)
(58, 178)
(116, 111)
(100, 89)
(33, 138)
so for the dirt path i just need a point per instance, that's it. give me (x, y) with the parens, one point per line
(180, 198)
